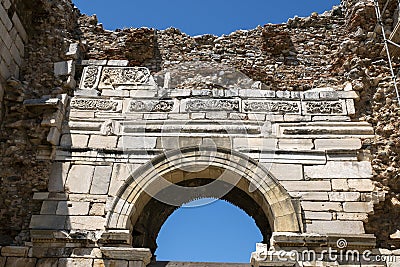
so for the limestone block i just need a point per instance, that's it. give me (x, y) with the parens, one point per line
(313, 215)
(155, 116)
(255, 143)
(5, 19)
(115, 93)
(3, 261)
(120, 173)
(334, 170)
(58, 176)
(132, 142)
(110, 263)
(298, 144)
(197, 116)
(19, 262)
(101, 180)
(73, 51)
(76, 262)
(79, 179)
(296, 118)
(336, 227)
(54, 136)
(287, 172)
(305, 186)
(47, 222)
(103, 142)
(49, 208)
(74, 140)
(49, 262)
(320, 196)
(217, 115)
(64, 68)
(86, 253)
(136, 264)
(139, 93)
(118, 63)
(340, 185)
(331, 118)
(361, 185)
(346, 216)
(367, 207)
(344, 196)
(97, 209)
(334, 144)
(72, 208)
(19, 27)
(321, 206)
(86, 223)
(14, 251)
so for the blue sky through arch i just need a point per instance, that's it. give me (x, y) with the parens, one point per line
(196, 17)
(215, 232)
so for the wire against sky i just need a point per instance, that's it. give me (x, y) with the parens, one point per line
(199, 17)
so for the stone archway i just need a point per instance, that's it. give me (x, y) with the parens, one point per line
(152, 193)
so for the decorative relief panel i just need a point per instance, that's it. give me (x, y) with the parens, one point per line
(282, 107)
(95, 104)
(324, 107)
(213, 105)
(90, 77)
(151, 106)
(112, 77)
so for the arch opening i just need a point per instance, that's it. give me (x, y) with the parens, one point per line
(208, 230)
(154, 191)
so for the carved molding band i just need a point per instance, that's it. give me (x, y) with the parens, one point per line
(94, 104)
(213, 105)
(111, 77)
(151, 106)
(272, 106)
(324, 107)
(90, 77)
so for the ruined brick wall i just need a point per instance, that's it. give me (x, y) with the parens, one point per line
(332, 49)
(36, 36)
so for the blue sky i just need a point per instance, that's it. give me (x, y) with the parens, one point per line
(196, 17)
(217, 232)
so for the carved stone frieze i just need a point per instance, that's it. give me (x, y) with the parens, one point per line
(95, 104)
(90, 77)
(151, 106)
(324, 107)
(272, 106)
(115, 76)
(213, 105)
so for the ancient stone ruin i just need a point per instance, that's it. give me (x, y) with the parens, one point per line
(104, 134)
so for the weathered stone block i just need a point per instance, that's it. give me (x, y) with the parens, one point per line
(101, 180)
(342, 170)
(334, 144)
(49, 262)
(344, 196)
(320, 196)
(86, 223)
(72, 208)
(47, 222)
(336, 227)
(49, 208)
(366, 207)
(64, 68)
(103, 142)
(132, 142)
(362, 185)
(340, 185)
(305, 186)
(58, 176)
(20, 262)
(97, 209)
(321, 206)
(110, 263)
(120, 173)
(74, 140)
(346, 216)
(298, 144)
(76, 262)
(79, 179)
(287, 172)
(313, 215)
(12, 251)
(254, 143)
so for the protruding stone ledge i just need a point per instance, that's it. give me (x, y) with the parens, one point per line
(131, 254)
